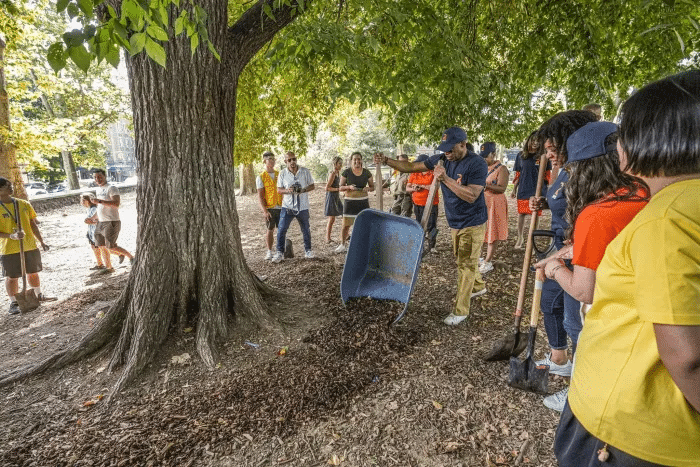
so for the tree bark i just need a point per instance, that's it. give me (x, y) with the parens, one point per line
(247, 179)
(189, 268)
(9, 168)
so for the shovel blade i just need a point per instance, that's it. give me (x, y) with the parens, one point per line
(527, 376)
(27, 301)
(503, 348)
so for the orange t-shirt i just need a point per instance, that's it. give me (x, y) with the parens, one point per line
(422, 178)
(598, 224)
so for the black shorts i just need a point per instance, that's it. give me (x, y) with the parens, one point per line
(12, 264)
(274, 220)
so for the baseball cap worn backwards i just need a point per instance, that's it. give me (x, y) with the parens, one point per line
(589, 141)
(450, 137)
(487, 148)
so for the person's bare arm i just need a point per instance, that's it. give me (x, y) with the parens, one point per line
(579, 283)
(679, 349)
(502, 181)
(370, 184)
(468, 193)
(114, 201)
(261, 201)
(401, 166)
(37, 234)
(329, 183)
(308, 188)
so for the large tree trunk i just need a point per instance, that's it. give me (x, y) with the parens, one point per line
(247, 179)
(189, 269)
(8, 157)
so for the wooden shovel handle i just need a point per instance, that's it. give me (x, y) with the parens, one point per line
(536, 296)
(379, 186)
(429, 201)
(528, 248)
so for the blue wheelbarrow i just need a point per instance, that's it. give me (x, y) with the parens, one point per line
(384, 256)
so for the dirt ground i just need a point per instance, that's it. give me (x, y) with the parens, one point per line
(335, 386)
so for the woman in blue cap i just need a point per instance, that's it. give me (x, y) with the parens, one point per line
(601, 200)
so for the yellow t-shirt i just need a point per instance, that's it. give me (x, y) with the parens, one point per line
(8, 225)
(621, 392)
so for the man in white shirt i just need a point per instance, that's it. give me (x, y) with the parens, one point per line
(108, 224)
(294, 183)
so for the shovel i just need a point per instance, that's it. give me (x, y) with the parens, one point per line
(512, 345)
(426, 212)
(526, 375)
(379, 184)
(26, 299)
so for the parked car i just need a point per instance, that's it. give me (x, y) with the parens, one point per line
(35, 188)
(57, 187)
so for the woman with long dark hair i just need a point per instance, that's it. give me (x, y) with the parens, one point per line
(355, 182)
(560, 311)
(333, 207)
(635, 395)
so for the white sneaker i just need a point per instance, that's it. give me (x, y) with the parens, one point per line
(309, 254)
(479, 293)
(486, 267)
(341, 248)
(453, 319)
(277, 257)
(269, 255)
(561, 370)
(481, 261)
(557, 401)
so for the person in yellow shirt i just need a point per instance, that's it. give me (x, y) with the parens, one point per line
(9, 245)
(635, 394)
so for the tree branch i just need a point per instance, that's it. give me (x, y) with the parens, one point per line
(254, 29)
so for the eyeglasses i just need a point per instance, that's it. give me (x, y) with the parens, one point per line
(291, 159)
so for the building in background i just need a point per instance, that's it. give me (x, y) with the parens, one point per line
(121, 157)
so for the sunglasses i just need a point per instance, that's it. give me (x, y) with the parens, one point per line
(292, 159)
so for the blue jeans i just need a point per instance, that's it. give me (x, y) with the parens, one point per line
(432, 219)
(560, 312)
(286, 217)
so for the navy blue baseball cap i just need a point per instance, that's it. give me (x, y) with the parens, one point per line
(421, 158)
(487, 148)
(589, 141)
(450, 137)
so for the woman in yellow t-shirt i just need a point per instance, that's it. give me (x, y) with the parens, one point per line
(635, 393)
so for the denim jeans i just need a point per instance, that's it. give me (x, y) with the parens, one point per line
(286, 217)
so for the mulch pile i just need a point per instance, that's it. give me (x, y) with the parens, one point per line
(299, 386)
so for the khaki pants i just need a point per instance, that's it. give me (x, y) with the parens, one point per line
(466, 245)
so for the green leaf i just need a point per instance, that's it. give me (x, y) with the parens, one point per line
(80, 57)
(137, 42)
(112, 56)
(73, 10)
(179, 25)
(213, 50)
(268, 11)
(61, 5)
(157, 32)
(73, 38)
(680, 41)
(194, 42)
(155, 51)
(163, 15)
(86, 7)
(694, 23)
(56, 56)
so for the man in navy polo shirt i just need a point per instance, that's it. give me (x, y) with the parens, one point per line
(462, 178)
